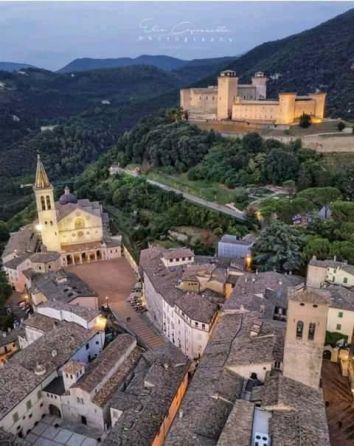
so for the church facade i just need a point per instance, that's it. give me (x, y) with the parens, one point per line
(248, 103)
(67, 232)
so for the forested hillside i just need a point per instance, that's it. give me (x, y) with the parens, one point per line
(320, 58)
(88, 110)
(167, 144)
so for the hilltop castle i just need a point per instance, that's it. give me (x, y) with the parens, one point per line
(247, 103)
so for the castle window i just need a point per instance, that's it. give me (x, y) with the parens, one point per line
(49, 206)
(345, 280)
(338, 327)
(312, 329)
(43, 203)
(340, 314)
(299, 329)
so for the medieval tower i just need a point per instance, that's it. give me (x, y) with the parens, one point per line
(227, 91)
(259, 80)
(305, 337)
(47, 216)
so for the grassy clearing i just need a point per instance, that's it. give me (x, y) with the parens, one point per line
(338, 160)
(215, 192)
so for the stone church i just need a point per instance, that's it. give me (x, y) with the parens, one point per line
(67, 232)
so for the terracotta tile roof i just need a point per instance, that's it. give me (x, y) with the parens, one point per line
(97, 371)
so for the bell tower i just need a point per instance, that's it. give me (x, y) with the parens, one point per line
(305, 336)
(47, 216)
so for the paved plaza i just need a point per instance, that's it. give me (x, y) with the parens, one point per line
(46, 434)
(115, 279)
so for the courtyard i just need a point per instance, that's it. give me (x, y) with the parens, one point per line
(51, 431)
(114, 279)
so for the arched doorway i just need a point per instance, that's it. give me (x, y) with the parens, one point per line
(69, 260)
(84, 257)
(54, 410)
(99, 255)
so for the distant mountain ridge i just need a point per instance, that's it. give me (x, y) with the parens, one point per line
(167, 63)
(188, 70)
(13, 66)
(321, 58)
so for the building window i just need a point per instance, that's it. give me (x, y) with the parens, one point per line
(49, 206)
(43, 203)
(39, 394)
(299, 329)
(340, 314)
(338, 327)
(15, 417)
(312, 329)
(87, 346)
(345, 280)
(203, 326)
(29, 404)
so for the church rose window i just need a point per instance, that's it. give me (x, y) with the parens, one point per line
(79, 223)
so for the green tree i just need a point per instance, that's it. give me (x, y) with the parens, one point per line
(340, 126)
(343, 211)
(320, 196)
(5, 289)
(345, 182)
(252, 143)
(343, 250)
(4, 232)
(317, 246)
(305, 121)
(278, 247)
(280, 166)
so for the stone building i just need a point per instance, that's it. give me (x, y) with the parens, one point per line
(25, 376)
(241, 394)
(305, 337)
(230, 100)
(183, 295)
(69, 231)
(321, 272)
(143, 411)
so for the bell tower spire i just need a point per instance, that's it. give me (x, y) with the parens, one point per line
(41, 181)
(47, 215)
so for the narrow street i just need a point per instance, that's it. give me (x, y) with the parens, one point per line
(115, 279)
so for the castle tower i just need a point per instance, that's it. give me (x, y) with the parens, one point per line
(320, 104)
(286, 114)
(305, 336)
(259, 80)
(47, 216)
(227, 91)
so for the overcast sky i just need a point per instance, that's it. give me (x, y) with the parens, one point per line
(51, 34)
